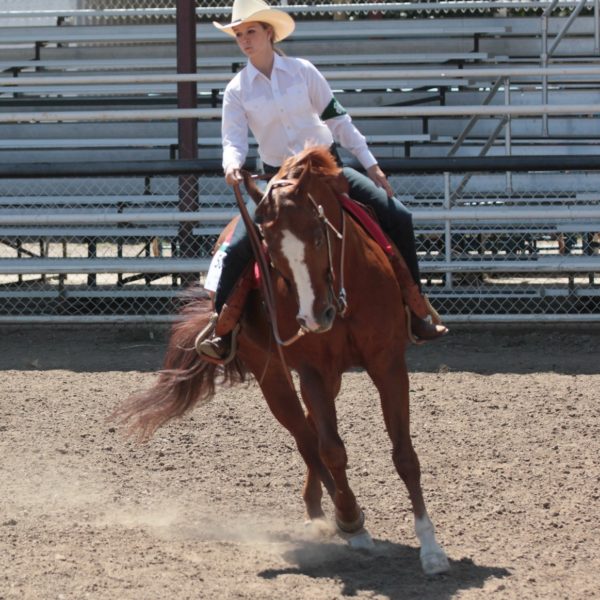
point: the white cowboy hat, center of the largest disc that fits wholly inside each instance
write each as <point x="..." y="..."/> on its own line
<point x="244" y="11"/>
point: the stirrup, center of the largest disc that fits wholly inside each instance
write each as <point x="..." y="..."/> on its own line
<point x="209" y="331"/>
<point x="435" y="321"/>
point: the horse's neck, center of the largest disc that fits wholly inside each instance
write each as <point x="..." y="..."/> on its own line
<point x="362" y="253"/>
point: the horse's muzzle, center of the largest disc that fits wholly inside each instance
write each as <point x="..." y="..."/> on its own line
<point x="320" y="323"/>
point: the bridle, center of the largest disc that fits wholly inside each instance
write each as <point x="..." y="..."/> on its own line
<point x="341" y="300"/>
<point x="329" y="229"/>
<point x="263" y="266"/>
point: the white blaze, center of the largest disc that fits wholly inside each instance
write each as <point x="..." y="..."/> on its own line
<point x="293" y="250"/>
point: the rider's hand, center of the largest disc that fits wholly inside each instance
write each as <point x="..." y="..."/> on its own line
<point x="379" y="178"/>
<point x="233" y="175"/>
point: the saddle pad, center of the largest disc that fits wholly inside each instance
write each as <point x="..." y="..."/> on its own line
<point x="369" y="224"/>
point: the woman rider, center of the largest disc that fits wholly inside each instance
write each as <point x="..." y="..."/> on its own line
<point x="288" y="105"/>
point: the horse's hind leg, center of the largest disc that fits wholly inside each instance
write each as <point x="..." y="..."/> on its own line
<point x="397" y="421"/>
<point x="287" y="409"/>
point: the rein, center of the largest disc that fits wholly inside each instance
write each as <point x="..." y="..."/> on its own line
<point x="263" y="266"/>
<point x="270" y="298"/>
<point x="265" y="280"/>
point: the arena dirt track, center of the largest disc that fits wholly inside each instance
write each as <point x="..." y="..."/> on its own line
<point x="506" y="423"/>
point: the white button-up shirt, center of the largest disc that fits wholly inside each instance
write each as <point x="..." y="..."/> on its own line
<point x="283" y="113"/>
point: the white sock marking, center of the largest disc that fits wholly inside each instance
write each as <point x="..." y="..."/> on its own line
<point x="426" y="534"/>
<point x="433" y="558"/>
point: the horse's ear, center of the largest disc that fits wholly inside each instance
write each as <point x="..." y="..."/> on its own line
<point x="251" y="187"/>
<point x="266" y="210"/>
<point x="304" y="177"/>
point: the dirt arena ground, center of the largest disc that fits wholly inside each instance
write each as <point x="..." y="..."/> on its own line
<point x="506" y="423"/>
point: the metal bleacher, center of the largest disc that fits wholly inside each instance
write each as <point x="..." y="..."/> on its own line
<point x="118" y="239"/>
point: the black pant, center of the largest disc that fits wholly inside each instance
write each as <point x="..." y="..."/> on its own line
<point x="394" y="217"/>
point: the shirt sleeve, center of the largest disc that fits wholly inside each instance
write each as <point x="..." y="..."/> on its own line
<point x="336" y="118"/>
<point x="234" y="130"/>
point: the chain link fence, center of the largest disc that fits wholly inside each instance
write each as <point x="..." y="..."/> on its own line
<point x="491" y="245"/>
<point x="164" y="10"/>
<point x="464" y="6"/>
<point x="513" y="246"/>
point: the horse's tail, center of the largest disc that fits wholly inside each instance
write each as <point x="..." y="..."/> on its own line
<point x="184" y="380"/>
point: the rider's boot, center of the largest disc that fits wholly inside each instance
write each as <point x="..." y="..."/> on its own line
<point x="418" y="308"/>
<point x="421" y="328"/>
<point x="424" y="330"/>
<point x="217" y="341"/>
<point x="216" y="348"/>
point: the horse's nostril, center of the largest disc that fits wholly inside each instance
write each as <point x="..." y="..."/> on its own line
<point x="301" y="322"/>
<point x="329" y="314"/>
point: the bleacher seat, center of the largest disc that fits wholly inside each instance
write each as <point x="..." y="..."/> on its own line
<point x="339" y="48"/>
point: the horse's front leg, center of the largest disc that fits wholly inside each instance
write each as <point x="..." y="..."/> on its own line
<point x="392" y="384"/>
<point x="319" y="395"/>
<point x="313" y="492"/>
<point x="286" y="407"/>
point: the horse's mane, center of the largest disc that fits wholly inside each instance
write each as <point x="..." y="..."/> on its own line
<point x="318" y="159"/>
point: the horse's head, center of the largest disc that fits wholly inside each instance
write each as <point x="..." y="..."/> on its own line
<point x="295" y="215"/>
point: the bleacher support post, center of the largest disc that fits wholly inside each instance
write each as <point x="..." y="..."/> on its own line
<point x="187" y="128"/>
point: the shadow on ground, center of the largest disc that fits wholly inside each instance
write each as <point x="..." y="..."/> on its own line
<point x="391" y="570"/>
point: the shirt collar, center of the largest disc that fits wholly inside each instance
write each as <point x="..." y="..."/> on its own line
<point x="278" y="64"/>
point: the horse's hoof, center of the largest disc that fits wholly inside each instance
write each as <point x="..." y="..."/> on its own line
<point x="361" y="540"/>
<point x="319" y="528"/>
<point x="351" y="527"/>
<point x="435" y="562"/>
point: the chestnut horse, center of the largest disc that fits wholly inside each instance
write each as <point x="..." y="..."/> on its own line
<point x="301" y="221"/>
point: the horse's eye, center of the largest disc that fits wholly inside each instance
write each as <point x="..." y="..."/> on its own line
<point x="319" y="238"/>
